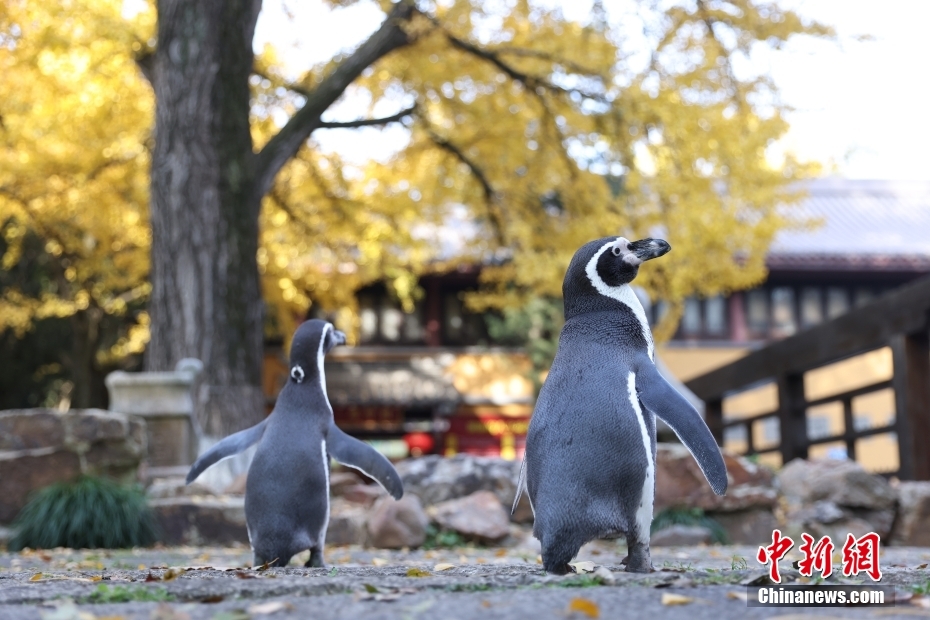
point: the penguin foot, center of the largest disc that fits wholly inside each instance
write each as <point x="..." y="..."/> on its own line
<point x="638" y="559"/>
<point x="316" y="559"/>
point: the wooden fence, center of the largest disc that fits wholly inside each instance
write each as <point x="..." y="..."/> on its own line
<point x="899" y="319"/>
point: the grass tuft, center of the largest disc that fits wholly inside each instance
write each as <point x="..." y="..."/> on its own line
<point x="125" y="594"/>
<point x="89" y="513"/>
<point x="689" y="516"/>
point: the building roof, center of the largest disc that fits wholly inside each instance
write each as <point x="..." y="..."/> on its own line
<point x="863" y="225"/>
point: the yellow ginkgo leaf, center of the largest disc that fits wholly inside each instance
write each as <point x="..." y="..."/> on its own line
<point x="676" y="599"/>
<point x="584" y="606"/>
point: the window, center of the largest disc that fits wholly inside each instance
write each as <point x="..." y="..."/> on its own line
<point x="811" y="306"/>
<point x="391" y="320"/>
<point x="691" y="320"/>
<point x="784" y="322"/>
<point x="757" y="310"/>
<point x="818" y="426"/>
<point x="837" y="301"/>
<point x="715" y="315"/>
<point x="368" y="319"/>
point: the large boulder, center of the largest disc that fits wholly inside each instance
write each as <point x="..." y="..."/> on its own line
<point x="479" y="516"/>
<point x="680" y="483"/>
<point x="201" y="520"/>
<point x="834" y="497"/>
<point x="910" y="528"/>
<point x="436" y="479"/>
<point x="39" y="447"/>
<point x="395" y="524"/>
<point x="347" y="523"/>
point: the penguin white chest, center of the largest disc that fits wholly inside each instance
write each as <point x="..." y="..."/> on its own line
<point x="647" y="499"/>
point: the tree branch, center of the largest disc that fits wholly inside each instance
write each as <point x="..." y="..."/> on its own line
<point x="532" y="82"/>
<point x="285" y="144"/>
<point x="490" y="195"/>
<point x="368" y="122"/>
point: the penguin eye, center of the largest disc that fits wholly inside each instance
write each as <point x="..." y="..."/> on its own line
<point x="616" y="251"/>
<point x="297" y="374"/>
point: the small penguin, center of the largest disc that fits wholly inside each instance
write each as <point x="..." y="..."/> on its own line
<point x="287" y="489"/>
<point x="589" y="466"/>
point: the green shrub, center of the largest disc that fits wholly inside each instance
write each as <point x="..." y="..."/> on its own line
<point x="689" y="516"/>
<point x="88" y="513"/>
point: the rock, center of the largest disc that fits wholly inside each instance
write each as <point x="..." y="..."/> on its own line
<point x="680" y="483"/>
<point x="363" y="494"/>
<point x="201" y="520"/>
<point x="843" y="482"/>
<point x="747" y="527"/>
<point x="340" y="481"/>
<point x="436" y="479"/>
<point x="39" y="447"/>
<point x="913" y="515"/>
<point x="523" y="513"/>
<point x="835" y="497"/>
<point x="162" y="488"/>
<point x="680" y="536"/>
<point x="478" y="516"/>
<point x="394" y="524"/>
<point x="237" y="486"/>
<point x="347" y="523"/>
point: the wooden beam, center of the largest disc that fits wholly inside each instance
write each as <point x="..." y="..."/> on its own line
<point x="869" y="327"/>
<point x="792" y="418"/>
<point x="911" y="355"/>
<point x="713" y="416"/>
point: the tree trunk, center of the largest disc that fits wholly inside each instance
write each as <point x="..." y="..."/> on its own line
<point x="207" y="186"/>
<point x="206" y="301"/>
<point x="89" y="389"/>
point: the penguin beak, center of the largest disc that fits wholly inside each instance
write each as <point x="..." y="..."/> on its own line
<point x="647" y="249"/>
<point x="338" y="337"/>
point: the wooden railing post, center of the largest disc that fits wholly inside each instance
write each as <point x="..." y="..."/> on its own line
<point x="911" y="355"/>
<point x="713" y="416"/>
<point x="849" y="429"/>
<point x="792" y="418"/>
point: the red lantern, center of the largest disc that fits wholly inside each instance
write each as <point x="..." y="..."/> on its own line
<point x="419" y="443"/>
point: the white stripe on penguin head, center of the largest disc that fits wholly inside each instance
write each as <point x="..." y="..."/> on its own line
<point x="623" y="293"/>
<point x="320" y="354"/>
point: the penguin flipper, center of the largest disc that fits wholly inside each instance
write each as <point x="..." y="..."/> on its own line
<point x="359" y="455"/>
<point x="521" y="486"/>
<point x="234" y="444"/>
<point x="665" y="402"/>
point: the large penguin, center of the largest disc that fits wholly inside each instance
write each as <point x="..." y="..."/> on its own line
<point x="287" y="489"/>
<point x="589" y="466"/>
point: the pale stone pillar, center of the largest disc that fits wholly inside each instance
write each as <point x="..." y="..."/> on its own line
<point x="164" y="400"/>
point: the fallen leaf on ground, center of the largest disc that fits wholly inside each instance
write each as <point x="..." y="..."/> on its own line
<point x="737" y="595"/>
<point x="379" y="561"/>
<point x="675" y="599"/>
<point x="266" y="565"/>
<point x="36" y="577"/>
<point x="370" y="588"/>
<point x="244" y="575"/>
<point x="270" y="607"/>
<point x="443" y="566"/>
<point x="500" y="552"/>
<point x="582" y="567"/>
<point x="150" y="577"/>
<point x="584" y="606"/>
<point x="604" y="576"/>
<point x="920" y="601"/>
<point x="921" y="567"/>
<point x="173" y="573"/>
<point x="417" y="572"/>
<point x="213" y="598"/>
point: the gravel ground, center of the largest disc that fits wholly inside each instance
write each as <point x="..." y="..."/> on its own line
<point x="194" y="583"/>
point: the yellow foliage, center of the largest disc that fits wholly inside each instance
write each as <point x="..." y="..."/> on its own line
<point x="74" y="119"/>
<point x="546" y="132"/>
